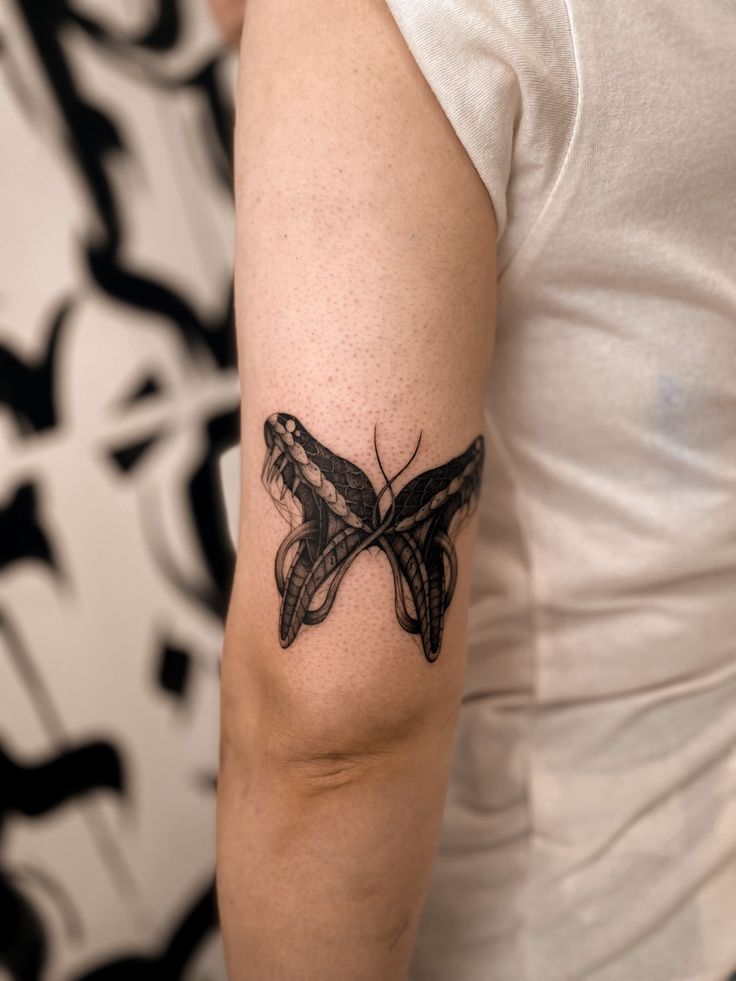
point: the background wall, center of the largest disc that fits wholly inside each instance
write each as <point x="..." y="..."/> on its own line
<point x="118" y="395"/>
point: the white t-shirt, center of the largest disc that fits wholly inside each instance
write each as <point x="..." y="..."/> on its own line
<point x="590" y="828"/>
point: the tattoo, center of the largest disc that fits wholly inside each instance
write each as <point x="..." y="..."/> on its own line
<point x="335" y="514"/>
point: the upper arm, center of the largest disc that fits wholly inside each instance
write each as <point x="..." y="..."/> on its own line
<point x="365" y="296"/>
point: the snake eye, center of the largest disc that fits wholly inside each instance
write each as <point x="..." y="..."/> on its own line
<point x="297" y="433"/>
<point x="290" y="425"/>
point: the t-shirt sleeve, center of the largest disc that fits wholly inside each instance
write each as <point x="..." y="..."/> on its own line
<point x="504" y="73"/>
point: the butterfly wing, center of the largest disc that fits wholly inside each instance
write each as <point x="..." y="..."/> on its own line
<point x="330" y="504"/>
<point x="426" y="513"/>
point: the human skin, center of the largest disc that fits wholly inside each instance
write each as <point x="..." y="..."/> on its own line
<point x="365" y="299"/>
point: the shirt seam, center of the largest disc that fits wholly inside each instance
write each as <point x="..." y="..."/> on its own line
<point x="571" y="140"/>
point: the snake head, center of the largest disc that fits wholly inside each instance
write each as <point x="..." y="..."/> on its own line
<point x="278" y="425"/>
<point x="281" y="433"/>
<point x="313" y="478"/>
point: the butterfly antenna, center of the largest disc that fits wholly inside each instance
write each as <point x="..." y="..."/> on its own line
<point x="388" y="486"/>
<point x="387" y="479"/>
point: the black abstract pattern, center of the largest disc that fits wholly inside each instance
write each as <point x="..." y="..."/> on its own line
<point x="118" y="398"/>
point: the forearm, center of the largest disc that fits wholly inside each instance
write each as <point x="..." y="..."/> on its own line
<point x="324" y="861"/>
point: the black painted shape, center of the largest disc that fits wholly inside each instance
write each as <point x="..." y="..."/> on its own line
<point x="128" y="457"/>
<point x="171" y="963"/>
<point x="28" y="387"/>
<point x="222" y="118"/>
<point x="208" y="508"/>
<point x="90" y="135"/>
<point x="161" y="35"/>
<point x="93" y="137"/>
<point x="34" y="791"/>
<point x="148" y="387"/>
<point x="21" y="533"/>
<point x="143" y="293"/>
<point x="174" y="669"/>
<point x="23" y="945"/>
<point x="72" y="773"/>
<point x="164" y="32"/>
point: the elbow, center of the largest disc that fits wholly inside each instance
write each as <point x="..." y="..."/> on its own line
<point x="327" y="739"/>
<point x="316" y="772"/>
<point x="315" y="743"/>
<point x="307" y="766"/>
<point x="336" y="709"/>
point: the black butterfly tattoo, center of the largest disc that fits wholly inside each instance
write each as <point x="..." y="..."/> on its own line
<point x="335" y="514"/>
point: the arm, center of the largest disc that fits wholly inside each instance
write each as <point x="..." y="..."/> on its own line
<point x="365" y="277"/>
